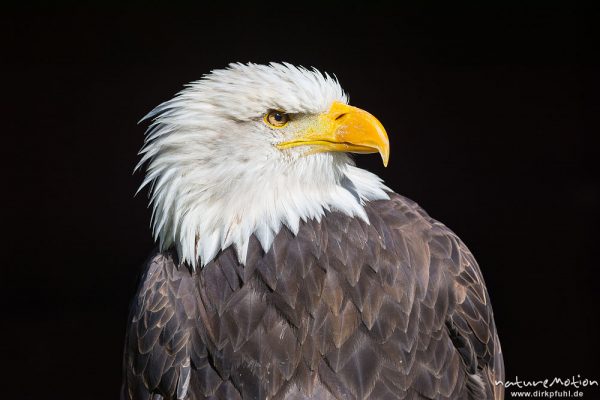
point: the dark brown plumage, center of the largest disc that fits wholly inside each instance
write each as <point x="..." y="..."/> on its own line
<point x="394" y="309"/>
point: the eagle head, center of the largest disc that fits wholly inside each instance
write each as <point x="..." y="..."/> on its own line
<point x="251" y="149"/>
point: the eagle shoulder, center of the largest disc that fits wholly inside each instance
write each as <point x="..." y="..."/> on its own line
<point x="449" y="290"/>
<point x="164" y="345"/>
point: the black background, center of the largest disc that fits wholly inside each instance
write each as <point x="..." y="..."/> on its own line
<point x="489" y="112"/>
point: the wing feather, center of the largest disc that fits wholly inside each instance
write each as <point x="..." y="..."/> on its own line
<point x="395" y="308"/>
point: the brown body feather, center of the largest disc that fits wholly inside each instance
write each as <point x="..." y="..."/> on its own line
<point x="394" y="309"/>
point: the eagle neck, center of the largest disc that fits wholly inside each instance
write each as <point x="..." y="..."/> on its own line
<point x="227" y="213"/>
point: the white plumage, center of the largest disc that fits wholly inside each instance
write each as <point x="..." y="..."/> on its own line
<point x="216" y="175"/>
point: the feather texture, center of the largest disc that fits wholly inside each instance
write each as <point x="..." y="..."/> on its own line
<point x="344" y="309"/>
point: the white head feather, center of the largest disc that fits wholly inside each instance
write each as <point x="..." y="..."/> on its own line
<point x="216" y="177"/>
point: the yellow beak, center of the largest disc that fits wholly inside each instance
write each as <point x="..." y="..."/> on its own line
<point x="344" y="128"/>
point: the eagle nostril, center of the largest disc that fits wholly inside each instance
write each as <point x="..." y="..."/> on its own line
<point x="340" y="116"/>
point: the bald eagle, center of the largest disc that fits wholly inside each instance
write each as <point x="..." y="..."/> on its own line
<point x="283" y="271"/>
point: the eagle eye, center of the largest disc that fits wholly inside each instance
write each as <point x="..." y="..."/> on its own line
<point x="277" y="119"/>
